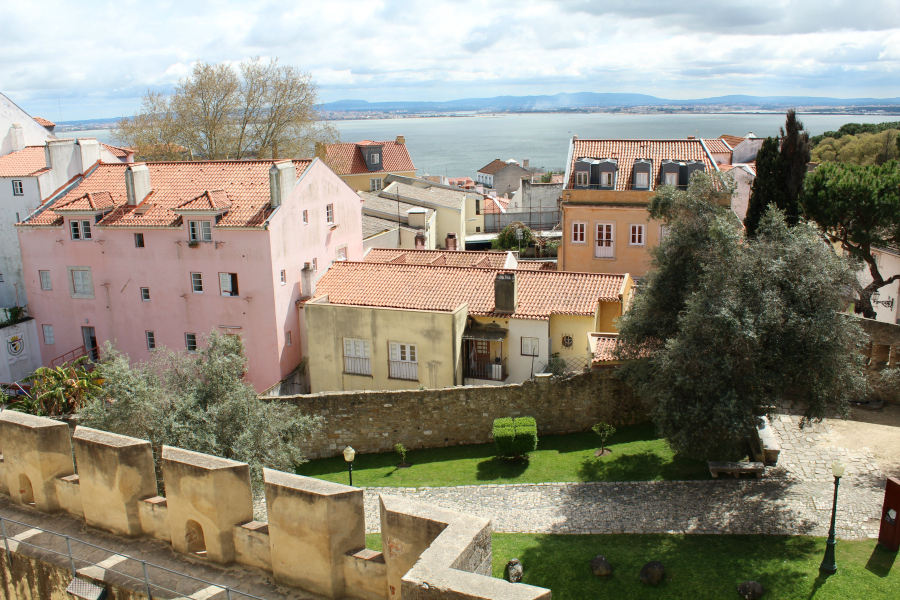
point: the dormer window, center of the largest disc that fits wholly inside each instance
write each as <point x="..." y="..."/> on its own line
<point x="641" y="180"/>
<point x="376" y="158"/>
<point x="606" y="179"/>
<point x="581" y="178"/>
<point x="200" y="231"/>
<point x="671" y="178"/>
<point x="372" y="155"/>
<point x="81" y="230"/>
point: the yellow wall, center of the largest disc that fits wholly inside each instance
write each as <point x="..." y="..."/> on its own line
<point x="577" y="327"/>
<point x="361" y="181"/>
<point x="473" y="220"/>
<point x="437" y="335"/>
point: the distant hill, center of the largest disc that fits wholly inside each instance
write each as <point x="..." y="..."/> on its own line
<point x="596" y="100"/>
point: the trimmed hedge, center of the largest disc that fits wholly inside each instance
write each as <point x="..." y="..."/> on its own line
<point x="515" y="437"/>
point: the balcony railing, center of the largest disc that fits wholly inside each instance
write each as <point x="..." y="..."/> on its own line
<point x="604" y="250"/>
<point x="355" y="365"/>
<point x="486" y="369"/>
<point x="400" y="369"/>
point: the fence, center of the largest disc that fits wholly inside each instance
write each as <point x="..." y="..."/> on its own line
<point x="563" y="366"/>
<point x="486" y="369"/>
<point x="141" y="571"/>
<point x="535" y="220"/>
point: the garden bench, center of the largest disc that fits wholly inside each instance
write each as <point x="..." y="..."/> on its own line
<point x="736" y="468"/>
<point x="764" y="443"/>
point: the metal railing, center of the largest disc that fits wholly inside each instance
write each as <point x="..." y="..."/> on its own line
<point x="486" y="369"/>
<point x="68" y="357"/>
<point x="356" y="365"/>
<point x="561" y="366"/>
<point x="141" y="577"/>
<point x="400" y="369"/>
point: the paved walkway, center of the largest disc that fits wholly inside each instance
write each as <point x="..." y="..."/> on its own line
<point x="793" y="498"/>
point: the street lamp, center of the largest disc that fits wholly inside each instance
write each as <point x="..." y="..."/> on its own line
<point x="349" y="455"/>
<point x="828" y="565"/>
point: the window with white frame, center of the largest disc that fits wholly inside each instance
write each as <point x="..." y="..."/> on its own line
<point x="671" y="178"/>
<point x="145" y="294"/>
<point x="375" y="184"/>
<point x="197" y="283"/>
<point x="48" y="334"/>
<point x="18" y="190"/>
<point x="605" y="241"/>
<point x="81" y="230"/>
<point x="578" y="233"/>
<point x="637" y="235"/>
<point x="581" y="178"/>
<point x="641" y="180"/>
<point x="45" y="280"/>
<point x="139" y="240"/>
<point x="151" y="340"/>
<point x="228" y="284"/>
<point x="606" y="179"/>
<point x="190" y="342"/>
<point x="329" y="213"/>
<point x="530" y="346"/>
<point x="341" y="253"/>
<point x="82" y="284"/>
<point x="305" y="217"/>
<point x="403" y="361"/>
<point x="663" y="232"/>
<point x="375" y="158"/>
<point x="200" y="231"/>
<point x="357" y="356"/>
<point x="283" y="278"/>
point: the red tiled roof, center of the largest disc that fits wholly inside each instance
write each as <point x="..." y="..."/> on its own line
<point x="117" y="151"/>
<point x="627" y="151"/>
<point x="444" y="289"/>
<point x="215" y="201"/>
<point x="96" y="201"/>
<point x="717" y="146"/>
<point x="536" y="265"/>
<point x="493" y="205"/>
<point x="27" y="162"/>
<point x="443" y="258"/>
<point x="603" y="345"/>
<point x="244" y="183"/>
<point x="347" y="158"/>
<point x="44" y="122"/>
<point x="493" y="167"/>
<point x="731" y="140"/>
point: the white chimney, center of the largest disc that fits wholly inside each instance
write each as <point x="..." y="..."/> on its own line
<point x="282" y="179"/>
<point x="17" y="137"/>
<point x="90" y="152"/>
<point x="137" y="183"/>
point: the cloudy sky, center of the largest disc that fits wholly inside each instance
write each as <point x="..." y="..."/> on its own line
<point x="96" y="59"/>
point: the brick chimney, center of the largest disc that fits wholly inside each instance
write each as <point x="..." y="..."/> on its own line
<point x="401" y="139"/>
<point x="451" y="242"/>
<point x="506" y="293"/>
<point x="420" y="240"/>
<point x="282" y="179"/>
<point x="137" y="183"/>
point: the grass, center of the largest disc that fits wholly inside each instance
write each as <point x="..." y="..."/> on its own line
<point x="638" y="454"/>
<point x="698" y="567"/>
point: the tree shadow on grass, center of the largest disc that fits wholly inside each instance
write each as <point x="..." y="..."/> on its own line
<point x="641" y="466"/>
<point x="579" y="442"/>
<point x="501" y="468"/>
<point x="881" y="561"/>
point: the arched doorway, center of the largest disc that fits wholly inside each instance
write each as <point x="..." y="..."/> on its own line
<point x="194" y="540"/>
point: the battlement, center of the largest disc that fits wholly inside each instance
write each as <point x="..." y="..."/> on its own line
<point x="315" y="537"/>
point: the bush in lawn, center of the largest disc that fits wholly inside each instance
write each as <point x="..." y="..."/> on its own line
<point x="515" y="437"/>
<point x="400" y="449"/>
<point x="604" y="430"/>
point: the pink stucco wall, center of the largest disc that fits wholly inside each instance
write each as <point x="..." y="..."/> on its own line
<point x="262" y="312"/>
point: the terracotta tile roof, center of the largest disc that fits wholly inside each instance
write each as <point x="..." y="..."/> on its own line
<point x="347" y="158"/>
<point x="627" y="151"/>
<point x="246" y="184"/>
<point x="460" y="181"/>
<point x="44" y="122"/>
<point x="27" y="162"/>
<point x="495" y="205"/>
<point x="96" y="201"/>
<point x="603" y="346"/>
<point x="444" y="289"/>
<point x="717" y="146"/>
<point x="432" y="195"/>
<point x="536" y="265"/>
<point x="117" y="151"/>
<point x="494" y="166"/>
<point x="443" y="258"/>
<point x="731" y="140"/>
<point x="388" y="206"/>
<point x="215" y="201"/>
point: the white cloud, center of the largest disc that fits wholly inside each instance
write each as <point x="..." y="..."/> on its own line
<point x="99" y="58"/>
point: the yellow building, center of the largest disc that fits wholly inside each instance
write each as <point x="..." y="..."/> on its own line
<point x="609" y="184"/>
<point x="365" y="164"/>
<point x="390" y="326"/>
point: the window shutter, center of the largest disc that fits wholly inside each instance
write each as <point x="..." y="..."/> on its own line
<point x="225" y="283"/>
<point x="365" y="349"/>
<point x="395" y="351"/>
<point x="348" y="347"/>
<point x="412" y="352"/>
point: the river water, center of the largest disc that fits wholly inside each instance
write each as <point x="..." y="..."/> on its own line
<point x="459" y="146"/>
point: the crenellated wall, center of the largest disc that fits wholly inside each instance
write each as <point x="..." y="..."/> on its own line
<point x="315" y="537"/>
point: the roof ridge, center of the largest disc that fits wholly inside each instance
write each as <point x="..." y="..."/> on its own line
<point x="506" y="269"/>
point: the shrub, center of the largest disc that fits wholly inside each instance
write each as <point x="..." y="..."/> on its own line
<point x="604" y="430"/>
<point x="400" y="449"/>
<point x="515" y="437"/>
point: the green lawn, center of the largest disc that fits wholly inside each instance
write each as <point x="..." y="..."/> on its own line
<point x="638" y="454"/>
<point x="698" y="567"/>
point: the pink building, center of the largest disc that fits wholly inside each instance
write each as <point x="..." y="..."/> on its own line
<point x="158" y="254"/>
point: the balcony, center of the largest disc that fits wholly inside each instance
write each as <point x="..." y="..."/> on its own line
<point x="490" y="370"/>
<point x="354" y="365"/>
<point x="604" y="249"/>
<point x="401" y="369"/>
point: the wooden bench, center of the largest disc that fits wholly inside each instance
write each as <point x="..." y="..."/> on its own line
<point x="736" y="468"/>
<point x="764" y="444"/>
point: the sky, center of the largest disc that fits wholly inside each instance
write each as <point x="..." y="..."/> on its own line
<point x="68" y="60"/>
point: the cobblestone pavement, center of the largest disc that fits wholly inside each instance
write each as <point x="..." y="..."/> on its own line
<point x="793" y="498"/>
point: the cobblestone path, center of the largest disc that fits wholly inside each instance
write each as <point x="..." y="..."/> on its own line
<point x="793" y="498"/>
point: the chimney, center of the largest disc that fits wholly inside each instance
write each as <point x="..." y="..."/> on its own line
<point x="320" y="150"/>
<point x="59" y="154"/>
<point x="451" y="242"/>
<point x="506" y="293"/>
<point x="90" y="152"/>
<point x="525" y="163"/>
<point x="690" y="137"/>
<point x="420" y="240"/>
<point x="417" y="217"/>
<point x="17" y="137"/>
<point x="137" y="183"/>
<point x="401" y="139"/>
<point x="282" y="179"/>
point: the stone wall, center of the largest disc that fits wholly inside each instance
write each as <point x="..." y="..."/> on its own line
<point x="375" y="421"/>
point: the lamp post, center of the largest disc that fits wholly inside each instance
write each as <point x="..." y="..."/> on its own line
<point x="349" y="455"/>
<point x="828" y="564"/>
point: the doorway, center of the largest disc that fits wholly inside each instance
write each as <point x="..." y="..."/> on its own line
<point x="90" y="342"/>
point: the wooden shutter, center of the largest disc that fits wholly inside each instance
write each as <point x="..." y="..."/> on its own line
<point x="225" y="283"/>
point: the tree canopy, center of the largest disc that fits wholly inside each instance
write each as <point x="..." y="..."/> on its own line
<point x="198" y="402"/>
<point x="725" y="328"/>
<point x="861" y="149"/>
<point x="859" y="208"/>
<point x="256" y="110"/>
<point x="855" y="129"/>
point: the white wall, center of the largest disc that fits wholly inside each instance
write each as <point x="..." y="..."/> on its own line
<point x="520" y="366"/>
<point x="35" y="135"/>
<point x="10" y="256"/>
<point x="888" y="264"/>
<point x="18" y="359"/>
